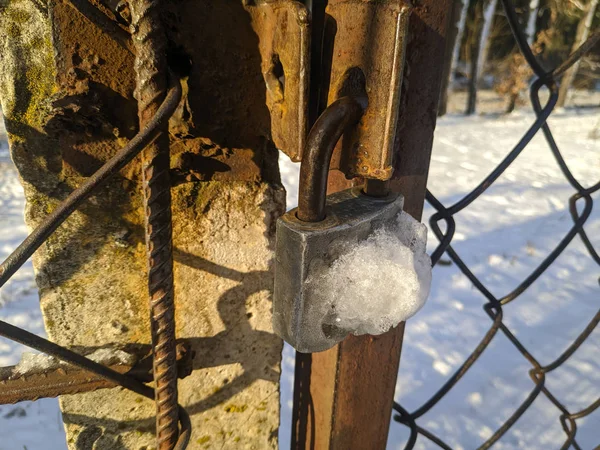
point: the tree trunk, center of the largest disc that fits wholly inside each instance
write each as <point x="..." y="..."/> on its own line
<point x="484" y="44"/>
<point x="534" y="6"/>
<point x="595" y="133"/>
<point x="459" y="37"/>
<point x="452" y="52"/>
<point x="475" y="53"/>
<point x="583" y="31"/>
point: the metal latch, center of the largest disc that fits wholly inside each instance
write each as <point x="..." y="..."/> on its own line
<point x="369" y="36"/>
<point x="366" y="37"/>
<point x="283" y="31"/>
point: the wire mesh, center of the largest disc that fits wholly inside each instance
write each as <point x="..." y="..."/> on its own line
<point x="494" y="305"/>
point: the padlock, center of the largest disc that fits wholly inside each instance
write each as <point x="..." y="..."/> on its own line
<point x="311" y="237"/>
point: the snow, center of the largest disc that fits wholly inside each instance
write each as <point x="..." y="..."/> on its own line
<point x="27" y="425"/>
<point x="34" y="363"/>
<point x="112" y="356"/>
<point x="502" y="236"/>
<point x="378" y="283"/>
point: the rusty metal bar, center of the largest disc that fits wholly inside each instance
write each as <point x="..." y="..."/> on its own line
<point x="151" y="70"/>
<point x="67" y="380"/>
<point x="64" y="354"/>
<point x="343" y="397"/>
<point x="61" y="381"/>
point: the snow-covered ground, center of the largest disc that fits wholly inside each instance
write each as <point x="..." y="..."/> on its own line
<point x="27" y="425"/>
<point x="502" y="236"/>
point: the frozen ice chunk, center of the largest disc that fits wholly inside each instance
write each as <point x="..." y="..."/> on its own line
<point x="34" y="363"/>
<point x="377" y="283"/>
<point x="112" y="356"/>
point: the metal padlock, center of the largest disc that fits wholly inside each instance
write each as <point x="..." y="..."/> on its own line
<point x="312" y="236"/>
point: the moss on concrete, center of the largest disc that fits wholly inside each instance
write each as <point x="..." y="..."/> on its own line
<point x="27" y="38"/>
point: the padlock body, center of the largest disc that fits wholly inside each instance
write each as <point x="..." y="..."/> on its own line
<point x="305" y="248"/>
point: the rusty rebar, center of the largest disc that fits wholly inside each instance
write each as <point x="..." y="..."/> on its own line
<point x="151" y="71"/>
<point x="69" y="356"/>
<point x="52" y="383"/>
<point x="65" y="379"/>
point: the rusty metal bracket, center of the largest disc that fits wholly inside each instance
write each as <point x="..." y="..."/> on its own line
<point x="369" y="46"/>
<point x="283" y="29"/>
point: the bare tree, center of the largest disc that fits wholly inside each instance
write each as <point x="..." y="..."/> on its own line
<point x="462" y="21"/>
<point x="595" y="133"/>
<point x="488" y="19"/>
<point x="583" y="31"/>
<point x="517" y="64"/>
<point x="534" y="6"/>
<point x="517" y="80"/>
<point x="475" y="53"/>
<point x="453" y="43"/>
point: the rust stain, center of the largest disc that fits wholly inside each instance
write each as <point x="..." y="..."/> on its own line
<point x="369" y="45"/>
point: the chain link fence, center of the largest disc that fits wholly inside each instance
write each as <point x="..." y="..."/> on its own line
<point x="494" y="306"/>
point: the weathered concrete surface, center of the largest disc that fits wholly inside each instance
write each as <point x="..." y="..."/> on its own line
<point x="66" y="83"/>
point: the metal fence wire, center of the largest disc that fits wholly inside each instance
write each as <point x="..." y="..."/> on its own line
<point x="16" y="387"/>
<point x="65" y="381"/>
<point x="494" y="305"/>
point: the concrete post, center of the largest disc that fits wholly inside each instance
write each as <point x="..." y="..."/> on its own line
<point x="67" y="83"/>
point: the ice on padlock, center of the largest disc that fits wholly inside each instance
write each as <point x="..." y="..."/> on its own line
<point x="374" y="284"/>
<point x="361" y="270"/>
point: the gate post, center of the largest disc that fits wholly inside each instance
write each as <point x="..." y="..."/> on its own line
<point x="343" y="397"/>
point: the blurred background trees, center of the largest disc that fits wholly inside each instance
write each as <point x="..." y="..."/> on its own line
<point x="482" y="54"/>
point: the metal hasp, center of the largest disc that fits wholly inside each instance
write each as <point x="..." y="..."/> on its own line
<point x="369" y="36"/>
<point x="343" y="396"/>
<point x="313" y="236"/>
<point x="283" y="32"/>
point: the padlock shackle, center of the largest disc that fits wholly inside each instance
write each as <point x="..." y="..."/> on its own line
<point x="316" y="159"/>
